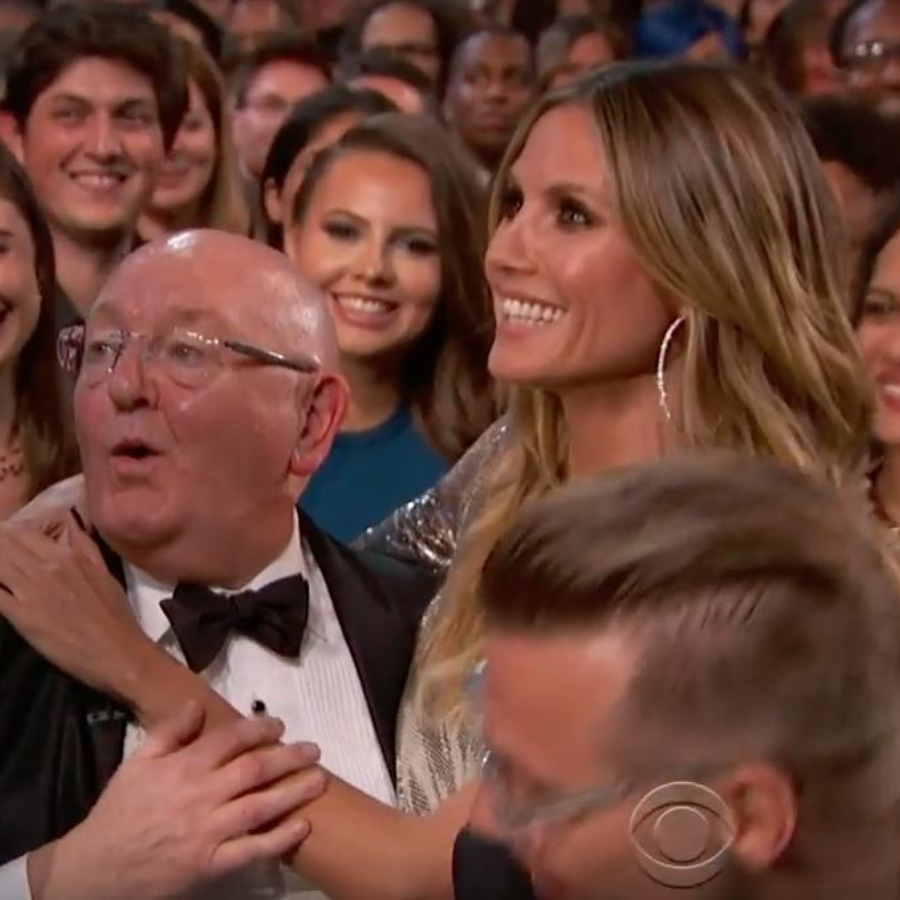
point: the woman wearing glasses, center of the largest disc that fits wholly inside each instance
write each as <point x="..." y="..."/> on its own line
<point x="664" y="278"/>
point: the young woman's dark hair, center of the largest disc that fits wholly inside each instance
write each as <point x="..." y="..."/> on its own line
<point x="41" y="422"/>
<point x="301" y="126"/>
<point x="308" y="116"/>
<point x="381" y="62"/>
<point x="108" y="30"/>
<point x="446" y="378"/>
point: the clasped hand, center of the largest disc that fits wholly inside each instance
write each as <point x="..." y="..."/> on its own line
<point x="183" y="811"/>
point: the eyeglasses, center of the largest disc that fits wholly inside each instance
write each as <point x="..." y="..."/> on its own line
<point x="517" y="808"/>
<point x="184" y="357"/>
<point x="873" y="55"/>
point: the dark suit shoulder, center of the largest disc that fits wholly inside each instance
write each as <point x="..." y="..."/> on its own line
<point x="405" y="586"/>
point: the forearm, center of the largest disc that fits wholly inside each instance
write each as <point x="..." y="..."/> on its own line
<point x="64" y="870"/>
<point x="158" y="686"/>
<point x="395" y="856"/>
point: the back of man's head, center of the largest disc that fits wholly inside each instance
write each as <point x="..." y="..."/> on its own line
<point x="765" y="620"/>
<point x="66" y="34"/>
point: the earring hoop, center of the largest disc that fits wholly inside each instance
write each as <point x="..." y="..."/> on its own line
<point x="661" y="367"/>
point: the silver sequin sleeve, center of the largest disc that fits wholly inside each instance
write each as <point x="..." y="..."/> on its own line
<point x="426" y="529"/>
<point x="434" y="760"/>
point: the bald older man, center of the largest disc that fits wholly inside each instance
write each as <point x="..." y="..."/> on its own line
<point x="206" y="397"/>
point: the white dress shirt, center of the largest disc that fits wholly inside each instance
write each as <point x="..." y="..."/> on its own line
<point x="319" y="698"/>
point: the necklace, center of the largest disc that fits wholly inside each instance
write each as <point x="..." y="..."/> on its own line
<point x="12" y="463"/>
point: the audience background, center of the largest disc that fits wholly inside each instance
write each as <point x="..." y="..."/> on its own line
<point x="272" y="83"/>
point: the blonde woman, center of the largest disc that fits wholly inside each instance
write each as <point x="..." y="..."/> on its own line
<point x="199" y="185"/>
<point x="664" y="277"/>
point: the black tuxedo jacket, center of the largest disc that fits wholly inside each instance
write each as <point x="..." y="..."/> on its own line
<point x="60" y="742"/>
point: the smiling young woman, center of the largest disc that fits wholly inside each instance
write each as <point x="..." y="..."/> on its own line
<point x="878" y="330"/>
<point x="388" y="224"/>
<point x="36" y="446"/>
<point x="199" y="186"/>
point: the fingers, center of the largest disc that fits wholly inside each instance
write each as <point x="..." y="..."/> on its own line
<point x="274" y="844"/>
<point x="174" y="733"/>
<point x="18" y="562"/>
<point x="257" y="810"/>
<point x="89" y="560"/>
<point x="224" y="744"/>
<point x="254" y="770"/>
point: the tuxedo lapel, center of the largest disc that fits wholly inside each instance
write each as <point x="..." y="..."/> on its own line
<point x="378" y="602"/>
<point x="60" y="743"/>
<point x="106" y="719"/>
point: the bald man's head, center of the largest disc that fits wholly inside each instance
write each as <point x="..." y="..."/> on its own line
<point x="208" y="395"/>
<point x="257" y="288"/>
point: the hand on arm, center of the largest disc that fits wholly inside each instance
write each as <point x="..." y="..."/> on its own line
<point x="63" y="600"/>
<point x="184" y="810"/>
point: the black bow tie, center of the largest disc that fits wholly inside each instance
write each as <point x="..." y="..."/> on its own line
<point x="274" y="616"/>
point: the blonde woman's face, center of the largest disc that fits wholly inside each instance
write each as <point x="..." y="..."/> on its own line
<point x="573" y="306"/>
<point x="879" y="338"/>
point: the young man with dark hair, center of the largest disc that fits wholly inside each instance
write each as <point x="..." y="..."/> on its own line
<point x="94" y="96"/>
<point x="265" y="86"/>
<point x="492" y="81"/>
<point x="691" y="682"/>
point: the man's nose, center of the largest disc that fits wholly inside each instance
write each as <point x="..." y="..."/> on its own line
<point x="104" y="139"/>
<point x="496" y="91"/>
<point x="129" y="384"/>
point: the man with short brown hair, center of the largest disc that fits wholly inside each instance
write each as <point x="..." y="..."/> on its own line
<point x="95" y="94"/>
<point x="692" y="682"/>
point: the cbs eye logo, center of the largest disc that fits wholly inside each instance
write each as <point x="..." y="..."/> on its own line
<point x="681" y="833"/>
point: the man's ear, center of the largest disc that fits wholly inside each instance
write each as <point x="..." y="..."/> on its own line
<point x="763" y="801"/>
<point x="11" y="135"/>
<point x="321" y="412"/>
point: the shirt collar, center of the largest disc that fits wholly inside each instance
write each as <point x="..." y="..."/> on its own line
<point x="145" y="593"/>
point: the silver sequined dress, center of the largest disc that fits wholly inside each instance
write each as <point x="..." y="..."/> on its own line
<point x="433" y="762"/>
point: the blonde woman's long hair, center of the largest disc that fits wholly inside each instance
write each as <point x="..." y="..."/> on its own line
<point x="721" y="194"/>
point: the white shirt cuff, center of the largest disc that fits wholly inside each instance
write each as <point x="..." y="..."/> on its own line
<point x="14" y="880"/>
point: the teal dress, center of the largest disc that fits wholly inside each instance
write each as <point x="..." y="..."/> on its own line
<point x="369" y="474"/>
